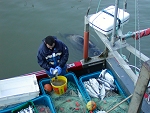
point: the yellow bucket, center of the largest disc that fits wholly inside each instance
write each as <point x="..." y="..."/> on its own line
<point x="59" y="85"/>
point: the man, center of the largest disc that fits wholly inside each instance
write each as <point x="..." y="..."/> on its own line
<point x="53" y="54"/>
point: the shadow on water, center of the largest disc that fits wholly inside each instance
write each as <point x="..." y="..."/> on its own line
<point x="77" y="42"/>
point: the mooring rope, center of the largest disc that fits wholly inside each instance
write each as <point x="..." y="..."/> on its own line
<point x="137" y="28"/>
<point x="98" y="6"/>
<point x="139" y="31"/>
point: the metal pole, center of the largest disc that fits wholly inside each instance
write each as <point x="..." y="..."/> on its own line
<point x="115" y="20"/>
<point x="86" y="39"/>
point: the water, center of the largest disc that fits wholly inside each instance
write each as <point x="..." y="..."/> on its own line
<point x="24" y="23"/>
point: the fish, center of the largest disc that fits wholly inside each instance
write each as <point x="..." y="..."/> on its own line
<point x="91" y="94"/>
<point x="92" y="87"/>
<point x="105" y="75"/>
<point x="102" y="74"/>
<point x="77" y="41"/>
<point x="106" y="85"/>
<point x="89" y="89"/>
<point x="95" y="85"/>
<point x="27" y="110"/>
<point x="30" y="109"/>
<point x="102" y="92"/>
<point x="111" y="84"/>
<point x="109" y="77"/>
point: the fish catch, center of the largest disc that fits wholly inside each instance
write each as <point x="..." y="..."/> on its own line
<point x="97" y="87"/>
<point x="105" y="75"/>
<point x="94" y="88"/>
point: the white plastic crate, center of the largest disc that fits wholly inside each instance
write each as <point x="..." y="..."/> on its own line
<point x="103" y="21"/>
<point x="18" y="89"/>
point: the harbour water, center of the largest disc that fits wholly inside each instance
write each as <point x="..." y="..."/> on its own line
<point x="24" y="23"/>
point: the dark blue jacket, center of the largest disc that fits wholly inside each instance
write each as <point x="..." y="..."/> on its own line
<point x="45" y="59"/>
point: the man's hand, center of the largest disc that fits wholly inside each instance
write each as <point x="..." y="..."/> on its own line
<point x="51" y="70"/>
<point x="59" y="69"/>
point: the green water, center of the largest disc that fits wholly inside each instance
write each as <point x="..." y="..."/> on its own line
<point x="24" y="23"/>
